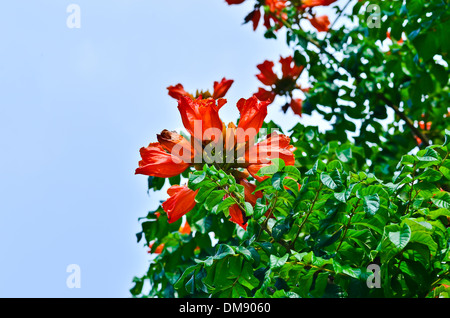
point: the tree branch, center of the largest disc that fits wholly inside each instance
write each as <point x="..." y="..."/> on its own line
<point x="407" y="120"/>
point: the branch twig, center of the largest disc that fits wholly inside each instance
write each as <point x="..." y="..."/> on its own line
<point x="408" y="121"/>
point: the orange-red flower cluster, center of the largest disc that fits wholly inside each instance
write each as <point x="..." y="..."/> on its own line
<point x="282" y="86"/>
<point x="275" y="12"/>
<point x="235" y="149"/>
<point x="274" y="16"/>
<point x="321" y="23"/>
<point x="316" y="3"/>
<point x="219" y="90"/>
<point x="399" y="42"/>
<point x="158" y="249"/>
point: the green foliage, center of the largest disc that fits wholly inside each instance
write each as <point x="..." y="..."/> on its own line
<point x="379" y="197"/>
<point x="317" y="241"/>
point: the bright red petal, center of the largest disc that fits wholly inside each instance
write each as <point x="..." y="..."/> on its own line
<point x="158" y="163"/>
<point x="177" y="91"/>
<point x="253" y="112"/>
<point x="321" y="23"/>
<point x="267" y="76"/>
<point x="220" y="89"/>
<point x="237" y="216"/>
<point x="180" y="202"/>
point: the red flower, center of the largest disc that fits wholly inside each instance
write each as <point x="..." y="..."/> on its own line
<point x="265" y="95"/>
<point x="289" y="68"/>
<point x="254" y="16"/>
<point x="237" y="216"/>
<point x="249" y="189"/>
<point x="252" y="113"/>
<point x="279" y="86"/>
<point x="267" y="75"/>
<point x="276" y="5"/>
<point x="253" y="170"/>
<point x="201" y="111"/>
<point x="220" y="89"/>
<point x="418" y="140"/>
<point x="388" y="35"/>
<point x="158" y="163"/>
<point x="173" y="153"/>
<point x="423" y="127"/>
<point x="296" y="106"/>
<point x="274" y="13"/>
<point x="158" y="249"/>
<point x="185" y="229"/>
<point x="315" y="3"/>
<point x="181" y="201"/>
<point x="230" y="2"/>
<point x="275" y="146"/>
<point x="321" y="23"/>
<point x="177" y="91"/>
<point x="176" y="144"/>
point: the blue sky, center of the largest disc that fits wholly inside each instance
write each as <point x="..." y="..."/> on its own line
<point x="77" y="104"/>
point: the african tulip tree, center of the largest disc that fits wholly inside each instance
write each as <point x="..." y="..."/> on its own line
<point x="253" y="211"/>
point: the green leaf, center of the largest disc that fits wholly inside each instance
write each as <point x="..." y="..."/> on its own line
<point x="204" y="191"/>
<point x="185" y="274"/>
<point x="279" y="163"/>
<point x="429" y="155"/>
<point x="137" y="288"/>
<point x="225" y="204"/>
<point x="430" y="175"/>
<point x="400" y="238"/>
<point x="214" y="199"/>
<point x="371" y="204"/>
<point x="318" y="167"/>
<point x="260" y="209"/>
<point x="246" y="277"/>
<point x="442" y="200"/>
<point x="195" y="180"/>
<point x="277" y="180"/>
<point x="447" y="138"/>
<point x="248" y="209"/>
<point x="345" y="155"/>
<point x="175" y="180"/>
<point x="445" y="171"/>
<point x="292" y="172"/>
<point x="407" y="160"/>
<point x="331" y="181"/>
<point x="439" y="212"/>
<point x="291" y="185"/>
<point x="279" y="229"/>
<point x="155" y="183"/>
<point x="267" y="170"/>
<point x="346" y="269"/>
<point x="223" y="250"/>
<point x="276" y="262"/>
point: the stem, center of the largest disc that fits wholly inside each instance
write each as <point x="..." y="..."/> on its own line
<point x="339" y="15"/>
<point x="307" y="215"/>
<point x="411" y="190"/>
<point x="348" y="225"/>
<point x="408" y="121"/>
<point x="264" y="224"/>
<point x="230" y="194"/>
<point x="440" y="278"/>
